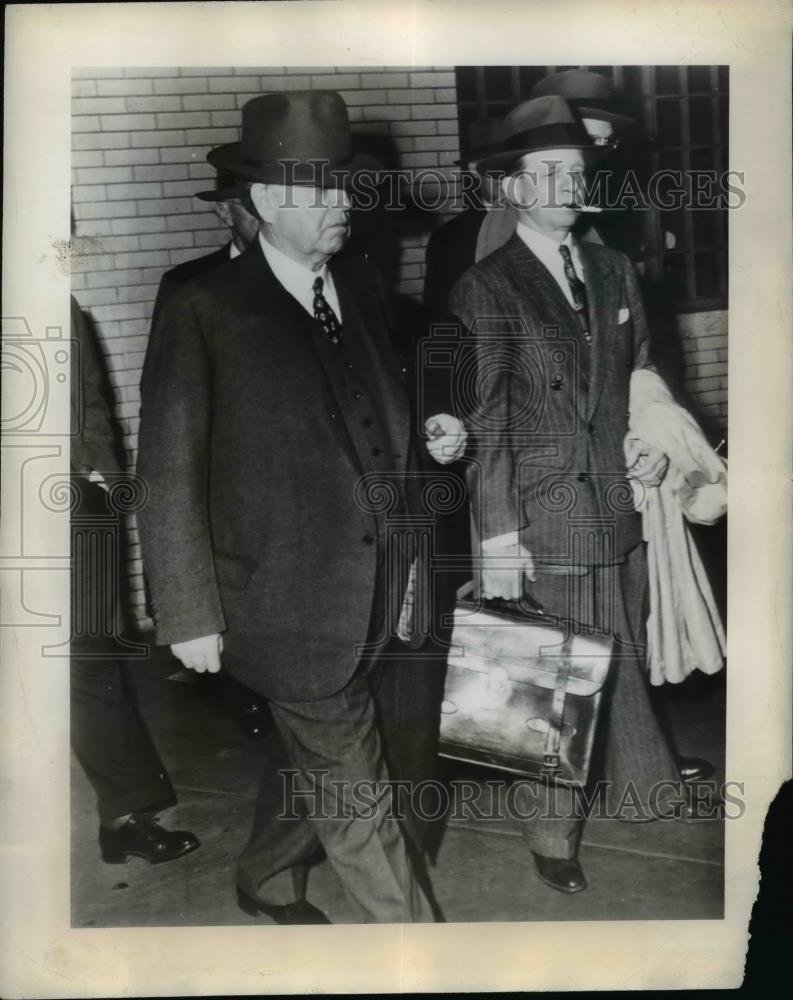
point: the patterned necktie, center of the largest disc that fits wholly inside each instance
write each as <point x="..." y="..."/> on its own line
<point x="578" y="289"/>
<point x="324" y="314"/>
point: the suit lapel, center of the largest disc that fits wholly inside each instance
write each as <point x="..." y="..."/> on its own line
<point x="546" y="297"/>
<point x="527" y="269"/>
<point x="602" y="286"/>
<point x="262" y="295"/>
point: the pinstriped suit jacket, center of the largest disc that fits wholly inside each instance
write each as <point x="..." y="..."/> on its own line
<point x="547" y="415"/>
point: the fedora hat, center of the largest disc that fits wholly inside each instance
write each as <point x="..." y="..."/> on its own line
<point x="227" y="188"/>
<point x="299" y="137"/>
<point x="484" y="138"/>
<point x="534" y="125"/>
<point x="590" y="94"/>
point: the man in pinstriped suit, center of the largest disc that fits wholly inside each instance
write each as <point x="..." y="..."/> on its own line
<point x="556" y="328"/>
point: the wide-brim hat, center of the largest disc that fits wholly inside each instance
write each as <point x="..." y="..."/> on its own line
<point x="590" y="94"/>
<point x="535" y="125"/>
<point x="227" y="188"/>
<point x="483" y="139"/>
<point x="299" y="137"/>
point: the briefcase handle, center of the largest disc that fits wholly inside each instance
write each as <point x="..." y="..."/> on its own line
<point x="526" y="608"/>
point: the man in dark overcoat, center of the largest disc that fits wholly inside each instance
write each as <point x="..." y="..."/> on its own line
<point x="276" y="440"/>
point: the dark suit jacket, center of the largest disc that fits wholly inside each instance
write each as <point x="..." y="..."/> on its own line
<point x="94" y="447"/>
<point x="450" y="252"/>
<point x="182" y="274"/>
<point x="254" y="527"/>
<point x="547" y="453"/>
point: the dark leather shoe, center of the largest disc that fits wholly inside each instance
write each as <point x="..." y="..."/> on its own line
<point x="564" y="874"/>
<point x="143" y="837"/>
<point x="299" y="912"/>
<point x="695" y="768"/>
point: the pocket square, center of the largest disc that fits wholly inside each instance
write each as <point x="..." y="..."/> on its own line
<point x="624" y="315"/>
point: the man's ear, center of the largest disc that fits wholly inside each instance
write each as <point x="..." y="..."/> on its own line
<point x="264" y="200"/>
<point x="223" y="212"/>
<point x="508" y="192"/>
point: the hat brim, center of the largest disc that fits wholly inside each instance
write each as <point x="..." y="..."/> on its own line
<point x="599" y="114"/>
<point x="506" y="162"/>
<point x="219" y="194"/>
<point x="477" y="155"/>
<point x="291" y="172"/>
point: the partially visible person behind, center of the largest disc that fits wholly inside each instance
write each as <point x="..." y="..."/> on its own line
<point x="107" y="734"/>
<point x="229" y="199"/>
<point x="452" y="248"/>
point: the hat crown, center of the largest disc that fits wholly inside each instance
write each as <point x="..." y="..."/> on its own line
<point x="539" y="112"/>
<point x="298" y="125"/>
<point x="575" y="85"/>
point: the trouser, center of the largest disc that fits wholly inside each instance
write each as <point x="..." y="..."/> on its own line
<point x="407" y="687"/>
<point x="111" y="743"/>
<point x="632" y="756"/>
<point x="326" y="782"/>
<point x="107" y="734"/>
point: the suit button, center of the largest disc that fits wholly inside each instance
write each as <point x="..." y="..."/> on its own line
<point x="591" y="428"/>
<point x="582" y="477"/>
<point x="357" y="394"/>
<point x="367" y="539"/>
<point x="377" y="452"/>
<point x="349" y="365"/>
<point x="367" y="422"/>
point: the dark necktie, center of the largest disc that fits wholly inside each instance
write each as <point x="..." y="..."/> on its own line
<point x="324" y="314"/>
<point x="578" y="289"/>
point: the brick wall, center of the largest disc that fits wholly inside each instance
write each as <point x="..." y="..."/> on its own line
<point x="139" y="142"/>
<point x="703" y="337"/>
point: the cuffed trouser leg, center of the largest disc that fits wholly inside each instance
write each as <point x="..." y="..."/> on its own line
<point x="551" y="823"/>
<point x="339" y="781"/>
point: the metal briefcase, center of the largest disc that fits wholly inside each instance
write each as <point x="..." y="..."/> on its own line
<point x="521" y="696"/>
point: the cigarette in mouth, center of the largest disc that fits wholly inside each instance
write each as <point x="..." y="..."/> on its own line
<point x="586" y="208"/>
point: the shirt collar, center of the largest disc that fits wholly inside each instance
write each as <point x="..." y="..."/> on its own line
<point x="540" y="244"/>
<point x="289" y="272"/>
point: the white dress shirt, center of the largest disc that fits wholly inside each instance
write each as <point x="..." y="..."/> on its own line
<point x="234" y="251"/>
<point x="299" y="280"/>
<point x="547" y="250"/>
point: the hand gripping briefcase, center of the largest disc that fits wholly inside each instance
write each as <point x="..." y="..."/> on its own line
<point x="522" y="696"/>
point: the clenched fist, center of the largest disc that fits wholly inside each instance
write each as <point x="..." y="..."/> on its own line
<point x="200" y="654"/>
<point x="447" y="438"/>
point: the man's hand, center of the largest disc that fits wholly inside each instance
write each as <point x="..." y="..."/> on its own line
<point x="200" y="654"/>
<point x="646" y="463"/>
<point x="503" y="569"/>
<point x="447" y="438"/>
